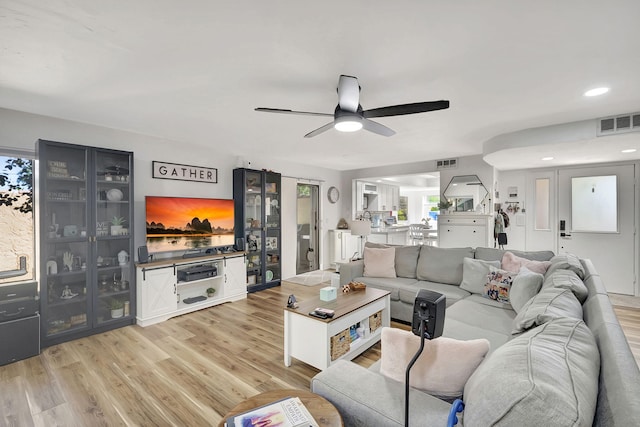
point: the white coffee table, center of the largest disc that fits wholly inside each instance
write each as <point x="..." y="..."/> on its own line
<point x="308" y="338"/>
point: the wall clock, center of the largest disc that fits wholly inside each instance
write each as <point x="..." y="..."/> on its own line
<point x="333" y="194"/>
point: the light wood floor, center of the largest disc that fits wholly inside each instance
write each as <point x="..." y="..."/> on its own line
<point x="188" y="370"/>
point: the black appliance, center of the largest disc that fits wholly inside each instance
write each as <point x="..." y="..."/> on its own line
<point x="19" y="322"/>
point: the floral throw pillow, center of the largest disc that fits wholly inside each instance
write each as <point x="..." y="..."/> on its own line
<point x="498" y="284"/>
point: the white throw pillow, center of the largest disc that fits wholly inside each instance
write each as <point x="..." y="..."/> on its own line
<point x="525" y="286"/>
<point x="379" y="262"/>
<point x="474" y="274"/>
<point x="442" y="369"/>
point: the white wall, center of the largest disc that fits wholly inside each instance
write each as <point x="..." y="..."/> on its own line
<point x="21" y="130"/>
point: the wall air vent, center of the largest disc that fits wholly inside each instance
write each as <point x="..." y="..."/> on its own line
<point x="619" y="124"/>
<point x="446" y="164"/>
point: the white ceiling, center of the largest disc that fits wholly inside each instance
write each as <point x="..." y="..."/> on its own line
<point x="194" y="71"/>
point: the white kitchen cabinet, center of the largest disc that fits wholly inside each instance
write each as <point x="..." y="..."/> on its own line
<point x="463" y="230"/>
<point x="342" y="246"/>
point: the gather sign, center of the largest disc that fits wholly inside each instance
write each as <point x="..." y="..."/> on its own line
<point x="163" y="170"/>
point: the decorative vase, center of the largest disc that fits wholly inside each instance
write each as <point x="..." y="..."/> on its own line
<point x="117" y="313"/>
<point x="116" y="230"/>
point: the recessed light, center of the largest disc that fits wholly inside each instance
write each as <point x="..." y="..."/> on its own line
<point x="629" y="150"/>
<point x="597" y="91"/>
<point x="547" y="158"/>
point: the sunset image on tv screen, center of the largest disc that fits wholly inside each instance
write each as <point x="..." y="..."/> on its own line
<point x="184" y="223"/>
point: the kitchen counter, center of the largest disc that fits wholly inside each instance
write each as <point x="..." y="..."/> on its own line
<point x="392" y="235"/>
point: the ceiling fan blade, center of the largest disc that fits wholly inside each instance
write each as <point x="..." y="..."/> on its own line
<point x="300" y="113"/>
<point x="319" y="130"/>
<point x="348" y="93"/>
<point x="400" y="110"/>
<point x="376" y="127"/>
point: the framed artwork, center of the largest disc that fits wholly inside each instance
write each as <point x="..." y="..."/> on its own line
<point x="271" y="243"/>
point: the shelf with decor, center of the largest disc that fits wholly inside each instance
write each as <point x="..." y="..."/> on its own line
<point x="257" y="223"/>
<point x="78" y="207"/>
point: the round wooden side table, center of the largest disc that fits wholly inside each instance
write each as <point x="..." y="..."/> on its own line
<point x="322" y="410"/>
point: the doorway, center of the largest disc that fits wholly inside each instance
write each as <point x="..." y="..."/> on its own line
<point x="597" y="219"/>
<point x="307" y="209"/>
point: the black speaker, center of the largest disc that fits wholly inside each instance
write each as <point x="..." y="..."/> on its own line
<point x="429" y="306"/>
<point x="143" y="254"/>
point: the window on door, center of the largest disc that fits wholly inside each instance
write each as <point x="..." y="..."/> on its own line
<point x="594" y="204"/>
<point x="17" y="229"/>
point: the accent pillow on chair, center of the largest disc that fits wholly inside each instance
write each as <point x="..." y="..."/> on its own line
<point x="379" y="262"/>
<point x="442" y="369"/>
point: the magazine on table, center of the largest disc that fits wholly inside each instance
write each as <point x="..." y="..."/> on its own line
<point x="288" y="412"/>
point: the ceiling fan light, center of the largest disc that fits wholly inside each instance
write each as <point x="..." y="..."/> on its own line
<point x="348" y="123"/>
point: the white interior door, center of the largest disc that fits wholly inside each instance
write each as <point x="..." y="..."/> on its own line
<point x="597" y="205"/>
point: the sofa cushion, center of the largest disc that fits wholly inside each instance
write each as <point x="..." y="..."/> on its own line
<point x="546" y="376"/>
<point x="498" y="284"/>
<point x="442" y="265"/>
<point x="452" y="293"/>
<point x="474" y="274"/>
<point x="566" y="262"/>
<point x="386" y="284"/>
<point x="567" y="279"/>
<point x="549" y="304"/>
<point x="512" y="262"/>
<point x="379" y="262"/>
<point x="493" y="254"/>
<point x="442" y="369"/>
<point x="525" y="286"/>
<point x="407" y="261"/>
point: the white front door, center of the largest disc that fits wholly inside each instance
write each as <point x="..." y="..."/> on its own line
<point x="597" y="205"/>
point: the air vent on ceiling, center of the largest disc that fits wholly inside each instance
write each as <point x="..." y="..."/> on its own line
<point x="619" y="124"/>
<point x="446" y="164"/>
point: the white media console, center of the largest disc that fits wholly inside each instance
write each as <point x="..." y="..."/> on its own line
<point x="164" y="285"/>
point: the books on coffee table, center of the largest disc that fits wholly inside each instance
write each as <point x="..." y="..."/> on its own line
<point x="288" y="412"/>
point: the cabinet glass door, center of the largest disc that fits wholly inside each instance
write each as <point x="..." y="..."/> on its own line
<point x="253" y="226"/>
<point x="113" y="219"/>
<point x="272" y="227"/>
<point x="65" y="245"/>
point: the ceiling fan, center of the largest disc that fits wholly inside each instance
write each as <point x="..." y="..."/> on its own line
<point x="350" y="117"/>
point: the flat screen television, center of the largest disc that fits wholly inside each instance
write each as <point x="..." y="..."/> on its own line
<point x="185" y="223"/>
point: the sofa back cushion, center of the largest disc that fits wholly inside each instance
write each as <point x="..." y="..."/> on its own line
<point x="493" y="254"/>
<point x="443" y="367"/>
<point x="547" y="376"/>
<point x="474" y="274"/>
<point x="566" y="262"/>
<point x="379" y="262"/>
<point x="549" y="304"/>
<point x="442" y="265"/>
<point x="525" y="286"/>
<point x="567" y="279"/>
<point x="407" y="261"/>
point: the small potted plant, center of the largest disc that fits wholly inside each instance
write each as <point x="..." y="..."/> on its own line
<point x="117" y="223"/>
<point x="444" y="205"/>
<point x="117" y="308"/>
<point x="211" y="292"/>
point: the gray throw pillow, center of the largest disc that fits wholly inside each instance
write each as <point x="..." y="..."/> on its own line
<point x="442" y="265"/>
<point x="549" y="304"/>
<point x="547" y="376"/>
<point x="525" y="286"/>
<point x="474" y="274"/>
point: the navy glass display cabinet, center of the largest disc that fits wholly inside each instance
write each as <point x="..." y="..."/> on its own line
<point x="257" y="222"/>
<point x="87" y="276"/>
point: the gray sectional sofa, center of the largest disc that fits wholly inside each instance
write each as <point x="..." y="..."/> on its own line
<point x="559" y="358"/>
